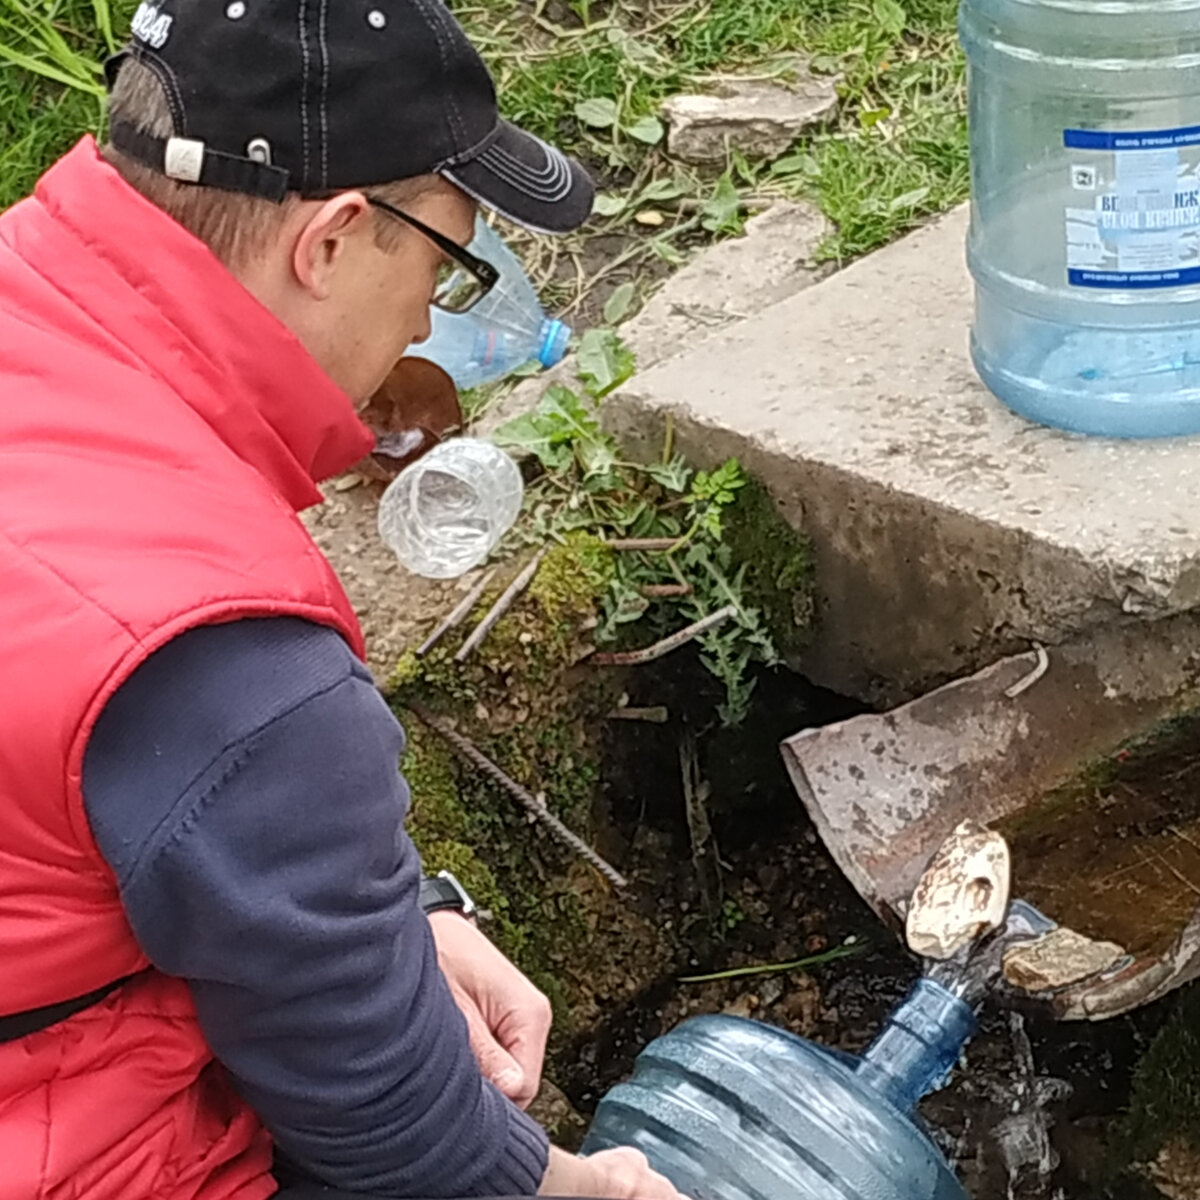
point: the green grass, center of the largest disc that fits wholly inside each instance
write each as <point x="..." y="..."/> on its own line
<point x="51" y="85"/>
<point x="895" y="153"/>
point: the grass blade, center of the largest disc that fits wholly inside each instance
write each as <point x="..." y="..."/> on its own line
<point x="800" y="964"/>
<point x="104" y="23"/>
<point x="49" y="71"/>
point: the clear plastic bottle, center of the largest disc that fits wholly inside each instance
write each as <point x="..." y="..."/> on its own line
<point x="1085" y="221"/>
<point x="446" y="512"/>
<point x="505" y="330"/>
<point x="732" y="1109"/>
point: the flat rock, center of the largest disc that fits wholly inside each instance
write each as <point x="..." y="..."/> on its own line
<point x="1057" y="960"/>
<point x="947" y="531"/>
<point x="759" y="119"/>
<point x="773" y="259"/>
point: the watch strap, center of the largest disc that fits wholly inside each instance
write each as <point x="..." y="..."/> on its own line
<point x="442" y="892"/>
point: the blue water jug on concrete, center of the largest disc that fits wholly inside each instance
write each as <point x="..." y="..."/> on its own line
<point x="1085" y="219"/>
<point x="732" y="1109"/>
<point x="505" y="330"/>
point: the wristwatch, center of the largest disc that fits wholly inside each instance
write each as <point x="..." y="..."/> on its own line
<point x="442" y="891"/>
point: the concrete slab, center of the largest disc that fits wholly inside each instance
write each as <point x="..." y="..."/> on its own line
<point x="722" y="285"/>
<point x="947" y="530"/>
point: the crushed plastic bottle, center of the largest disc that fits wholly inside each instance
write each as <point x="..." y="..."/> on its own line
<point x="446" y="512"/>
<point x="505" y="330"/>
<point x="1085" y="220"/>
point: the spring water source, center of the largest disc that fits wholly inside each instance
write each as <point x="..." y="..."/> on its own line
<point x="732" y="1109"/>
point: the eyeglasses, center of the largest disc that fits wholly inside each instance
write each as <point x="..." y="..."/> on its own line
<point x="462" y="282"/>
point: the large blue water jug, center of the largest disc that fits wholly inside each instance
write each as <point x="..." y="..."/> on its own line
<point x="731" y="1109"/>
<point x="1085" y="217"/>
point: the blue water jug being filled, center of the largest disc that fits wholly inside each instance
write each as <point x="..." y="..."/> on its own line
<point x="732" y="1109"/>
<point x="505" y="330"/>
<point x="1085" y="217"/>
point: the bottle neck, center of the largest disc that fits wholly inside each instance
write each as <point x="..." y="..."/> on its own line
<point x="555" y="336"/>
<point x="918" y="1047"/>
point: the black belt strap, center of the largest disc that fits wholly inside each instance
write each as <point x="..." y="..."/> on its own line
<point x="22" y="1024"/>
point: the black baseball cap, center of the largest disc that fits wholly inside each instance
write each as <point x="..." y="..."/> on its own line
<point x="319" y="96"/>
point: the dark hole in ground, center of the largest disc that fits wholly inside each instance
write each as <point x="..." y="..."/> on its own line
<point x="783" y="898"/>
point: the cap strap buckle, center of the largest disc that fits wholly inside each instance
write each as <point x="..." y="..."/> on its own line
<point x="191" y="161"/>
<point x="184" y="159"/>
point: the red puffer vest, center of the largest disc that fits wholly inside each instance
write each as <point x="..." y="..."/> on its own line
<point x="159" y="430"/>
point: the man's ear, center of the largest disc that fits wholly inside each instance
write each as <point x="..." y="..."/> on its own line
<point x="321" y="245"/>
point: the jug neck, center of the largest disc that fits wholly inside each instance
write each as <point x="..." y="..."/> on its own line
<point x="918" y="1047"/>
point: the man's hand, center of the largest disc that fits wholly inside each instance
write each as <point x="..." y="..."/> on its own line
<point x="620" y="1174"/>
<point x="508" y="1018"/>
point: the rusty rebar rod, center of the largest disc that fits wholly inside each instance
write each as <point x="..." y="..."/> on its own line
<point x="503" y="604"/>
<point x="469" y="752"/>
<point x="634" y="658"/>
<point x="662" y="591"/>
<point x="643" y="543"/>
<point x="656" y="714"/>
<point x="458" y="613"/>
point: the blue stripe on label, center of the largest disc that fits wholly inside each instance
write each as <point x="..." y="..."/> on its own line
<point x="1151" y="139"/>
<point x="1134" y="279"/>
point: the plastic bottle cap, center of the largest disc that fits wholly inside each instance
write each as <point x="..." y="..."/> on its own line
<point x="555" y="336"/>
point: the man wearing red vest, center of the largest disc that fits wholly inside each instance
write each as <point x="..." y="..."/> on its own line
<point x="219" y="976"/>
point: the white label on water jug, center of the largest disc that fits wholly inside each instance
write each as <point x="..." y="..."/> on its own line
<point x="1134" y="217"/>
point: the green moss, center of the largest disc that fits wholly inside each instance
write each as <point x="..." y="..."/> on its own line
<point x="1164" y="1102"/>
<point x="571" y="578"/>
<point x="479" y="880"/>
<point x="408" y="669"/>
<point x="520" y="699"/>
<point x="437" y="813"/>
<point x="779" y="566"/>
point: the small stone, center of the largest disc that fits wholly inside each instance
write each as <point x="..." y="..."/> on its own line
<point x="743" y="1006"/>
<point x="801" y="1006"/>
<point x="760" y="120"/>
<point x="1057" y="960"/>
<point x="770" y="990"/>
<point x="651" y="217"/>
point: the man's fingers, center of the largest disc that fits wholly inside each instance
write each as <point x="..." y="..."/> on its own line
<point x="494" y="1061"/>
<point x="524" y="1037"/>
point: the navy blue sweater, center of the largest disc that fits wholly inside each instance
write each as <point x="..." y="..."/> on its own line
<point x="244" y="786"/>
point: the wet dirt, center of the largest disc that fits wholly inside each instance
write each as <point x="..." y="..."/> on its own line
<point x="1031" y="1113"/>
<point x="1117" y="855"/>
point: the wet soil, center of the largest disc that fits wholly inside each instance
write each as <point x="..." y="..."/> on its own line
<point x="1143" y="807"/>
<point x="1032" y="1114"/>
